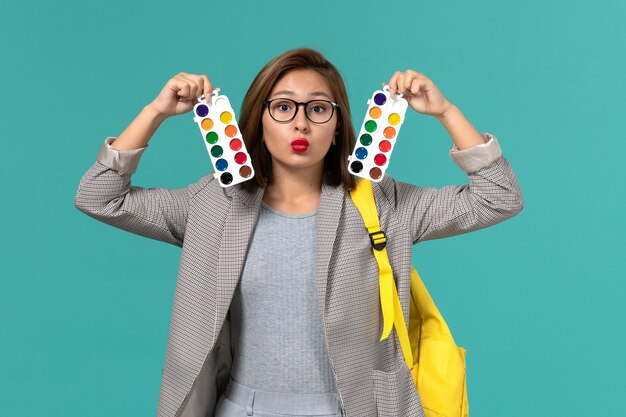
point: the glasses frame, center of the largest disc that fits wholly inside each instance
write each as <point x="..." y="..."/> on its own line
<point x="298" y="104"/>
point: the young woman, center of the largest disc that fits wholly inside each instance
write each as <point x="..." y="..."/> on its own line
<point x="277" y="310"/>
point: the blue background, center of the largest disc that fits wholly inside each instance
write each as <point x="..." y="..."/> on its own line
<point x="538" y="301"/>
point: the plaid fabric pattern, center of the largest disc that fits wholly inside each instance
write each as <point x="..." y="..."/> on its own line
<point x="213" y="226"/>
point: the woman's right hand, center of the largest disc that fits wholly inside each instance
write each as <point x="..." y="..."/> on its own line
<point x="181" y="93"/>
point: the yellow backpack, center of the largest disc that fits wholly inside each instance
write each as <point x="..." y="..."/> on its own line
<point x="436" y="363"/>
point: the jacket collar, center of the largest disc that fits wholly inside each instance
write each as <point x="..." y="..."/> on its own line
<point x="255" y="197"/>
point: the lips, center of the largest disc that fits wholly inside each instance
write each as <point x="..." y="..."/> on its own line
<point x="300" y="145"/>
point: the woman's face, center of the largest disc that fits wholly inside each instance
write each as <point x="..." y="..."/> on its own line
<point x="300" y="86"/>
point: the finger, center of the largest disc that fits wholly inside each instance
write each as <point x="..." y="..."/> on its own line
<point x="203" y="84"/>
<point x="404" y="81"/>
<point x="404" y="85"/>
<point x="207" y="88"/>
<point x="192" y="81"/>
<point x="393" y="83"/>
<point x="416" y="86"/>
<point x="417" y="74"/>
<point x="181" y="86"/>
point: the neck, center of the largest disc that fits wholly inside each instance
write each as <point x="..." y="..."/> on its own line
<point x="295" y="186"/>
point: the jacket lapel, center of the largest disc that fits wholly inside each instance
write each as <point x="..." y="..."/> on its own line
<point x="238" y="230"/>
<point x="328" y="215"/>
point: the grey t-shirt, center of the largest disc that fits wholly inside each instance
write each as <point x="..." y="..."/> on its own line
<point x="277" y="330"/>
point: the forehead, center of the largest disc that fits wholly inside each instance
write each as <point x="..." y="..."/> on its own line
<point x="302" y="83"/>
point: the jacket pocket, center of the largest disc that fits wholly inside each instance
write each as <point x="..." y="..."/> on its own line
<point x="396" y="394"/>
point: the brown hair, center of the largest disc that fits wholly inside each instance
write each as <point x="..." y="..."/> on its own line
<point x="336" y="160"/>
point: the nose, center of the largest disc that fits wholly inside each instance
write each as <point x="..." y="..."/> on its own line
<point x="301" y="122"/>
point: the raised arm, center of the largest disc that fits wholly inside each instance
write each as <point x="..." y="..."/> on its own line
<point x="106" y="194"/>
<point x="492" y="196"/>
<point x="105" y="191"/>
<point x="493" y="193"/>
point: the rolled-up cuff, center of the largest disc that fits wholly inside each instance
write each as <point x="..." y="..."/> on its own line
<point x="478" y="156"/>
<point x="124" y="162"/>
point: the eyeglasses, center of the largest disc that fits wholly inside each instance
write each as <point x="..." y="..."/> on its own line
<point x="317" y="111"/>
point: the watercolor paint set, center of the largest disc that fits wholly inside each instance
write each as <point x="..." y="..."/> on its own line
<point x="223" y="140"/>
<point x="378" y="135"/>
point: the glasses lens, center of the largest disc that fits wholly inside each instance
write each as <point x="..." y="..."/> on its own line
<point x="282" y="110"/>
<point x="319" y="111"/>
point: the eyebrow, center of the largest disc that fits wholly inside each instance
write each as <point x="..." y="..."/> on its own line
<point x="313" y="94"/>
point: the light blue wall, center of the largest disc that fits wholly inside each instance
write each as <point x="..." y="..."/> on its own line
<point x="538" y="300"/>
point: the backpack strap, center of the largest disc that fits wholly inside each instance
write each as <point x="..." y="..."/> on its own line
<point x="363" y="198"/>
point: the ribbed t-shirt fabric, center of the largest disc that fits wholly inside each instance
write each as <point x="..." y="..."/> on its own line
<point x="277" y="329"/>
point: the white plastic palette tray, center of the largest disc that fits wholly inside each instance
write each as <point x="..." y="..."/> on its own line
<point x="378" y="135"/>
<point x="223" y="140"/>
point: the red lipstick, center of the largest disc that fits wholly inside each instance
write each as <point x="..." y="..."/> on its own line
<point x="300" y="145"/>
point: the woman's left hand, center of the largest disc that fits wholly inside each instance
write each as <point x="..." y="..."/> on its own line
<point x="421" y="93"/>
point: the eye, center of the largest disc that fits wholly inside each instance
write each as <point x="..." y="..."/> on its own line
<point x="319" y="107"/>
<point x="282" y="106"/>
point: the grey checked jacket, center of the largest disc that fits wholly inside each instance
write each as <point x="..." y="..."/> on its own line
<point x="213" y="225"/>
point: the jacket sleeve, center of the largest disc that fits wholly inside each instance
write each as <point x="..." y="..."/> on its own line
<point x="492" y="196"/>
<point x="106" y="194"/>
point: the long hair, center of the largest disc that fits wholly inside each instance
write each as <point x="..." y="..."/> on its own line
<point x="336" y="160"/>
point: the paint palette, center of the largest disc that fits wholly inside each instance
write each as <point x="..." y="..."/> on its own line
<point x="223" y="141"/>
<point x="378" y="135"/>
